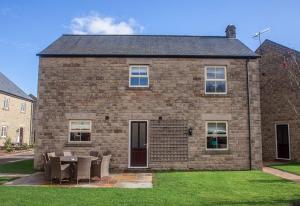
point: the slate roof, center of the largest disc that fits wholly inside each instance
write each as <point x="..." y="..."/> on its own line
<point x="8" y="87"/>
<point x="148" y="46"/>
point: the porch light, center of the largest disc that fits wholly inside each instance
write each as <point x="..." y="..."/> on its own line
<point x="190" y="131"/>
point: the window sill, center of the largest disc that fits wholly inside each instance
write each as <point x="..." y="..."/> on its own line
<point x="78" y="144"/>
<point x="216" y="95"/>
<point x="139" y="88"/>
<point x="217" y="152"/>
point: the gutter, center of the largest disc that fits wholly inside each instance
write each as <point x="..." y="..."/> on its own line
<point x="149" y="56"/>
<point x="16" y="96"/>
<point x="249" y="117"/>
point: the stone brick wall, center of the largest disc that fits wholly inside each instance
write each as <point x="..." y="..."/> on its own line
<point x="93" y="88"/>
<point x="276" y="92"/>
<point x="13" y="118"/>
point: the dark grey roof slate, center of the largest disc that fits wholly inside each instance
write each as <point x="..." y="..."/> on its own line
<point x="147" y="45"/>
<point x="10" y="88"/>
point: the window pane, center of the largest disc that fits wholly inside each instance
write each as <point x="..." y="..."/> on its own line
<point x="75" y="126"/>
<point x="143" y="71"/>
<point x="220" y="86"/>
<point x="220" y="73"/>
<point x="134" y="135"/>
<point x="221" y="128"/>
<point x="85" y="136"/>
<point x="210" y="86"/>
<point x="85" y="125"/>
<point x="143" y="129"/>
<point x="211" y="142"/>
<point x="211" y="128"/>
<point x="134" y="81"/>
<point x="222" y="142"/>
<point x="144" y="81"/>
<point x="75" y="136"/>
<point x="210" y="73"/>
<point x="135" y="71"/>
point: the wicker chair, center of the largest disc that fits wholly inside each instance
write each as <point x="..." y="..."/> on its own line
<point x="47" y="167"/>
<point x="51" y="154"/>
<point x="94" y="153"/>
<point x="101" y="168"/>
<point x="59" y="171"/>
<point x="105" y="166"/>
<point x="83" y="168"/>
<point x="68" y="153"/>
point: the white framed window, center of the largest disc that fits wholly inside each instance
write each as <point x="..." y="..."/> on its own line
<point x="139" y="76"/>
<point x="80" y="130"/>
<point x="4" y="131"/>
<point x="216" y="135"/>
<point x="23" y="107"/>
<point x="6" y="103"/>
<point x="215" y="80"/>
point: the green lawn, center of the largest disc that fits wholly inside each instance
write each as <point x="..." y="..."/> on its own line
<point x="170" y="188"/>
<point x="22" y="167"/>
<point x="290" y="167"/>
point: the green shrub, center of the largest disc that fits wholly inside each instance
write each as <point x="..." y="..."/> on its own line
<point x="24" y="146"/>
<point x="8" y="145"/>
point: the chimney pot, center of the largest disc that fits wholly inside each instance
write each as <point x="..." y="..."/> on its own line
<point x="230" y="31"/>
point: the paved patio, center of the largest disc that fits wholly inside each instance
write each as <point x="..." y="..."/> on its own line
<point x="119" y="180"/>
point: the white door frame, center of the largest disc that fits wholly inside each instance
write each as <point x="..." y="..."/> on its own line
<point x="289" y="136"/>
<point x="129" y="143"/>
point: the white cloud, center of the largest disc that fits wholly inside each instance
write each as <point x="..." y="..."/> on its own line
<point x="96" y="24"/>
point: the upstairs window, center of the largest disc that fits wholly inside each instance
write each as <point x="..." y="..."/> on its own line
<point x="216" y="135"/>
<point x="80" y="130"/>
<point x="23" y="107"/>
<point x="139" y="76"/>
<point x="6" y="103"/>
<point x="215" y="80"/>
<point x="4" y="131"/>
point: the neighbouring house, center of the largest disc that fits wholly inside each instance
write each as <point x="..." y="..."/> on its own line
<point x="153" y="101"/>
<point x="280" y="101"/>
<point x="15" y="113"/>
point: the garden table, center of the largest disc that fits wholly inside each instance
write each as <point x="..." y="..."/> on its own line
<point x="73" y="159"/>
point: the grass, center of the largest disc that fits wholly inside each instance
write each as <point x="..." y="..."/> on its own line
<point x="170" y="188"/>
<point x="289" y="167"/>
<point x="21" y="167"/>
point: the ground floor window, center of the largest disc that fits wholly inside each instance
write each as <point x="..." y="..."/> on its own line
<point x="4" y="131"/>
<point x="216" y="135"/>
<point x="80" y="130"/>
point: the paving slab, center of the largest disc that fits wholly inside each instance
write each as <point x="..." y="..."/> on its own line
<point x="117" y="180"/>
<point x="282" y="174"/>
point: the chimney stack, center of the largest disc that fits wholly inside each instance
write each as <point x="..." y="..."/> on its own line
<point x="230" y="31"/>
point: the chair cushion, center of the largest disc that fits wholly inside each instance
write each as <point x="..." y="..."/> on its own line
<point x="64" y="166"/>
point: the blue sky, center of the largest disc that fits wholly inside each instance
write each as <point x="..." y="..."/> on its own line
<point x="29" y="26"/>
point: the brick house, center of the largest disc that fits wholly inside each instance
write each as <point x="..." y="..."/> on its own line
<point x="15" y="113"/>
<point x="280" y="101"/>
<point x="153" y="101"/>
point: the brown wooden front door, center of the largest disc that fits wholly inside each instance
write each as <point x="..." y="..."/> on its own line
<point x="138" y="144"/>
<point x="283" y="142"/>
<point x="21" y="135"/>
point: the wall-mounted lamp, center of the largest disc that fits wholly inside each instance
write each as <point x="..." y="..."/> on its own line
<point x="160" y="118"/>
<point x="106" y="117"/>
<point x="190" y="131"/>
